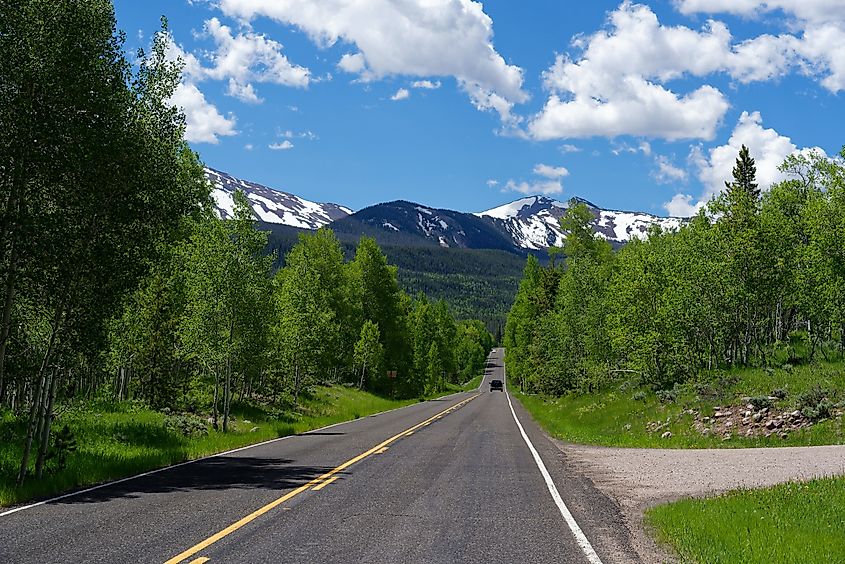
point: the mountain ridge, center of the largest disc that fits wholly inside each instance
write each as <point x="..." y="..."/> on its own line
<point x="269" y="204"/>
<point x="526" y="224"/>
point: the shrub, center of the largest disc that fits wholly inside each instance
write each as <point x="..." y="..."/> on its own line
<point x="186" y="425"/>
<point x="706" y="392"/>
<point x="638" y="396"/>
<point x="779" y="393"/>
<point x="815" y="403"/>
<point x="759" y="402"/>
<point x="626" y="385"/>
<point x="63" y="443"/>
<point x="667" y="396"/>
<point x="820" y="411"/>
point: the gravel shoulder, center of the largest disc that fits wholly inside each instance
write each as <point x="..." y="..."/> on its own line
<point x="641" y="478"/>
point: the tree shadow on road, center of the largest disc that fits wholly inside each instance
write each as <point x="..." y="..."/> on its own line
<point x="217" y="473"/>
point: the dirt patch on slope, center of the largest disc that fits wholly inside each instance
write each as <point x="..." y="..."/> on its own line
<point x="639" y="478"/>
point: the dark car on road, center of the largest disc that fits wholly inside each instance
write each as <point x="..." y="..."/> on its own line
<point x="497" y="385"/>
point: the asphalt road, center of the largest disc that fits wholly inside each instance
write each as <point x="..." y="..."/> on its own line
<point x="451" y="480"/>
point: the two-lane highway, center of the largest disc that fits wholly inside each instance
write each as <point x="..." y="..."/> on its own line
<point x="452" y="480"/>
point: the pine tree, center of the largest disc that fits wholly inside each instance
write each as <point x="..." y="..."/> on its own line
<point x="744" y="173"/>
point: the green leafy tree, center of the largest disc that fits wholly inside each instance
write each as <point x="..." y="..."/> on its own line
<point x="369" y="352"/>
<point x="381" y="299"/>
<point x="87" y="197"/>
<point x="227" y="279"/>
<point x="313" y="310"/>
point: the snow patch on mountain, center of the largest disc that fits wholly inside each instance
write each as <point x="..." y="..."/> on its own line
<point x="431" y="224"/>
<point x="625" y="226"/>
<point x="534" y="222"/>
<point x="269" y="205"/>
<point x="515" y="208"/>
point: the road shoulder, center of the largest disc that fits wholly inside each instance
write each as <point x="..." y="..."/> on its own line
<point x="638" y="478"/>
<point x="599" y="515"/>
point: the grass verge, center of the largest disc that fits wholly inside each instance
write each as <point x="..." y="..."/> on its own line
<point x="631" y="417"/>
<point x="472" y="384"/>
<point x="119" y="440"/>
<point x="795" y="522"/>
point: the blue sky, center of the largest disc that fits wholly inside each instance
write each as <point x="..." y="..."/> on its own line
<point x="466" y="106"/>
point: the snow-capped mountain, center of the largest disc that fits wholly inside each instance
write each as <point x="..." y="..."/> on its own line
<point x="408" y="223"/>
<point x="271" y="206"/>
<point x="531" y="223"/>
<point x="534" y="222"/>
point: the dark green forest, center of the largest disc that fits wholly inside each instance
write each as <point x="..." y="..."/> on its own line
<point x="755" y="279"/>
<point x="119" y="283"/>
<point x="476" y="283"/>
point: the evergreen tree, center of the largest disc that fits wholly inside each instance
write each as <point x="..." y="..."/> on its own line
<point x="744" y="174"/>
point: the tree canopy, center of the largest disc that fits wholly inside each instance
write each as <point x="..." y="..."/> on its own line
<point x="752" y="280"/>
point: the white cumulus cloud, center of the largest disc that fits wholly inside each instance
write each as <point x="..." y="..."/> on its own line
<point x="806" y="10"/>
<point x="420" y="38"/>
<point x="619" y="84"/>
<point x="283" y="146"/>
<point x="352" y="63"/>
<point x="817" y="45"/>
<point x="682" y="205"/>
<point x="426" y="84"/>
<point x="243" y="92"/>
<point x="767" y="147"/>
<point x="666" y="171"/>
<point x="549" y="183"/>
<point x="205" y="124"/>
<point x="400" y="94"/>
<point x="548" y="171"/>
<point x="541" y="187"/>
<point x="569" y="148"/>
<point x="249" y="57"/>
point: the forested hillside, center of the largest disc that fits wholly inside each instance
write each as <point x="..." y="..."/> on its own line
<point x="476" y="283"/>
<point x="120" y="283"/>
<point x="754" y="280"/>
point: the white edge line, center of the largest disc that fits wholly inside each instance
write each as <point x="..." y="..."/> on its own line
<point x="580" y="537"/>
<point x="172" y="466"/>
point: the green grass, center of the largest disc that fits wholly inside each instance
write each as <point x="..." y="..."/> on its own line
<point x="118" y="440"/>
<point x="620" y="416"/>
<point x="472" y="384"/>
<point x="796" y="522"/>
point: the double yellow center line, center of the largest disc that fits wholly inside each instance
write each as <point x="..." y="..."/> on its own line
<point x="319" y="482"/>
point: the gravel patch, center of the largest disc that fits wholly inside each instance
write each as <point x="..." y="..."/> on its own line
<point x="639" y="478"/>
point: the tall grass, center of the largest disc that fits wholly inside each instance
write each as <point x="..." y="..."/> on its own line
<point x="789" y="523"/>
<point x="472" y="384"/>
